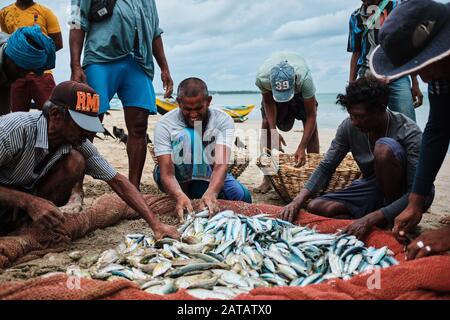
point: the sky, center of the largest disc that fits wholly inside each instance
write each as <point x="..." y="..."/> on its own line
<point x="224" y="42"/>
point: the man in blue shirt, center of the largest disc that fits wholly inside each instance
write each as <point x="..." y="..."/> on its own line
<point x="118" y="58"/>
<point x="365" y="23"/>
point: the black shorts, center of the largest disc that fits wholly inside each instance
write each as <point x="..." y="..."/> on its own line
<point x="287" y="112"/>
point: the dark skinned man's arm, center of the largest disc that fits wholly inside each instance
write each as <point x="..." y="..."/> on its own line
<point x="270" y="109"/>
<point x="76" y="42"/>
<point x="172" y="187"/>
<point x="57" y="39"/>
<point x="158" y="53"/>
<point x="354" y="66"/>
<point x="130" y="194"/>
<point x="310" y="127"/>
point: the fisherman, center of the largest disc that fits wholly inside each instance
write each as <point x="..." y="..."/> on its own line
<point x="365" y="22"/>
<point x="27" y="49"/>
<point x="288" y="93"/>
<point x="193" y="145"/>
<point x="34" y="87"/>
<point x="43" y="154"/>
<point x="416" y="40"/>
<point x="384" y="144"/>
<point x="118" y="58"/>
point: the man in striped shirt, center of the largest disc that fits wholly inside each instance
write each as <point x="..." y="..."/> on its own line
<point x="44" y="154"/>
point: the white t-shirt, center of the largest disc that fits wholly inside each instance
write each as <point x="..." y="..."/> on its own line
<point x="303" y="81"/>
<point x="220" y="126"/>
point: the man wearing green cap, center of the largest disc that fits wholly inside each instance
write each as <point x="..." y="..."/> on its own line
<point x="27" y="49"/>
<point x="288" y="94"/>
<point x="44" y="154"/>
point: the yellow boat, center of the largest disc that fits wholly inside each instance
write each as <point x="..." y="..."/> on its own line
<point x="238" y="113"/>
<point x="165" y="105"/>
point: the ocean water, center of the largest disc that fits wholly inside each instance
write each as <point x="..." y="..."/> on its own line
<point x="329" y="114"/>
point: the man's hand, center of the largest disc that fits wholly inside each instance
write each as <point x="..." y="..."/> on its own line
<point x="405" y="222"/>
<point x="166" y="231"/>
<point x="429" y="243"/>
<point x="78" y="75"/>
<point x="417" y="95"/>
<point x="300" y="157"/>
<point x="290" y="211"/>
<point x="359" y="228"/>
<point x="44" y="213"/>
<point x="209" y="200"/>
<point x="183" y="203"/>
<point x="167" y="83"/>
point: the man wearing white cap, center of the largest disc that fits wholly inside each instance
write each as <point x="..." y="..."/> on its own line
<point x="44" y="154"/>
<point x="288" y="93"/>
<point x="416" y="40"/>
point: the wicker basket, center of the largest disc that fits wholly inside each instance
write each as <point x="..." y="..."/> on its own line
<point x="241" y="160"/>
<point x="288" y="180"/>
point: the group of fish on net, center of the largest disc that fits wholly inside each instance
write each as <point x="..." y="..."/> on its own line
<point x="230" y="254"/>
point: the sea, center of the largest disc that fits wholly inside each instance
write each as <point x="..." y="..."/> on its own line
<point x="329" y="114"/>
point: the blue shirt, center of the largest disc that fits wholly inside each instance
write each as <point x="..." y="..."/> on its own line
<point x="366" y="42"/>
<point x="113" y="39"/>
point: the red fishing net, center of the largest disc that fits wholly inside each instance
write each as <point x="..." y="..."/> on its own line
<point x="420" y="279"/>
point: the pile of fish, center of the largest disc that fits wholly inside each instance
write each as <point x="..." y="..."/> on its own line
<point x="231" y="254"/>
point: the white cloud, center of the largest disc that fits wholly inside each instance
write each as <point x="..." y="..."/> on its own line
<point x="328" y="24"/>
<point x="225" y="41"/>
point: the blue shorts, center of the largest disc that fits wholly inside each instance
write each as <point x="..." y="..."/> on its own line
<point x="126" y="78"/>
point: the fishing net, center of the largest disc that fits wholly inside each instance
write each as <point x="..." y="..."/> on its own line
<point x="421" y="279"/>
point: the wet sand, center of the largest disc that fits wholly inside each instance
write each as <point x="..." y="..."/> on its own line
<point x="115" y="152"/>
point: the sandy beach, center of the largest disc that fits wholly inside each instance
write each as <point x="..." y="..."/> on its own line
<point x="115" y="152"/>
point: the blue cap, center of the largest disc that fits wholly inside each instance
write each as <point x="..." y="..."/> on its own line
<point x="282" y="81"/>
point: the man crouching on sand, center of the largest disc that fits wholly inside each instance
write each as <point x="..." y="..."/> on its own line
<point x="43" y="154"/>
<point x="193" y="145"/>
<point x="384" y="144"/>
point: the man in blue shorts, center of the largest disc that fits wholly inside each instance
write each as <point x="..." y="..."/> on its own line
<point x="193" y="145"/>
<point x="118" y="58"/>
<point x="384" y="144"/>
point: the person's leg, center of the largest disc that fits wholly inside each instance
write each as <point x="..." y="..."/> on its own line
<point x="233" y="190"/>
<point x="265" y="141"/>
<point x="355" y="201"/>
<point x="328" y="208"/>
<point x="400" y="97"/>
<point x="20" y="95"/>
<point x="139" y="100"/>
<point x="136" y="120"/>
<point x="41" y="88"/>
<point x="390" y="168"/>
<point x="56" y="186"/>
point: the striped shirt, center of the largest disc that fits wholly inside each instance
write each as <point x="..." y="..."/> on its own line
<point x="360" y="40"/>
<point x="24" y="145"/>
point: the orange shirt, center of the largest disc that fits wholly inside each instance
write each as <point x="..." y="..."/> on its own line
<point x="12" y="18"/>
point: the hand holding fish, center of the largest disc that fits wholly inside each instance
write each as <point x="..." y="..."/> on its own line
<point x="209" y="200"/>
<point x="183" y="203"/>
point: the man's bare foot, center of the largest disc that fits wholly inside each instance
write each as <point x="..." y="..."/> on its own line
<point x="75" y="203"/>
<point x="445" y="220"/>
<point x="265" y="186"/>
